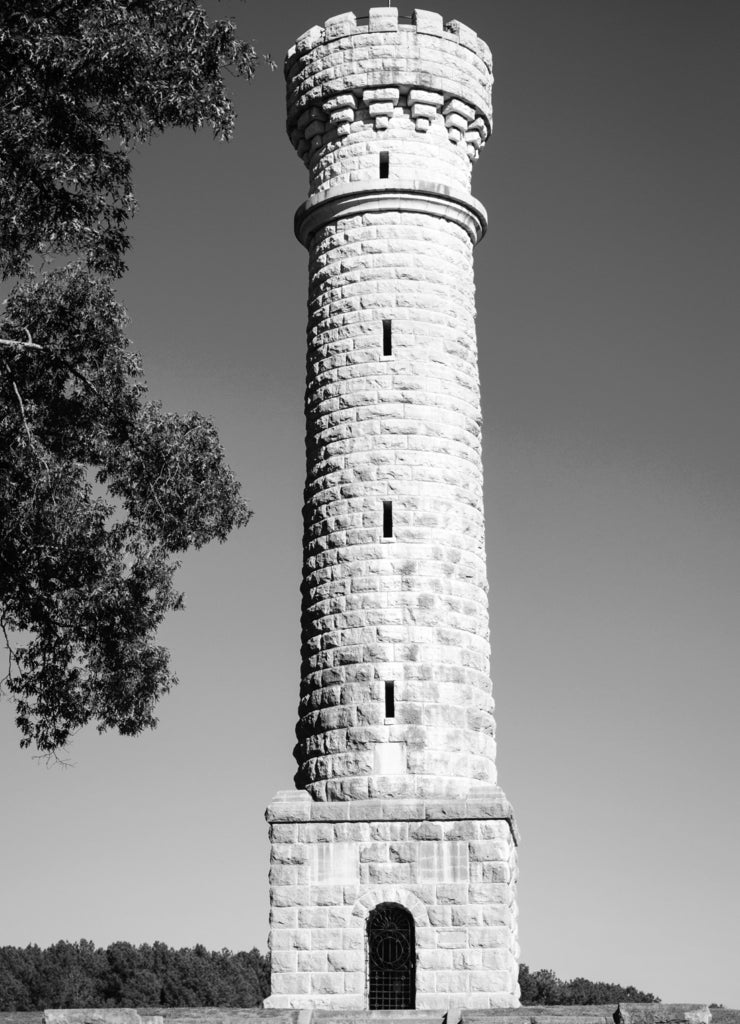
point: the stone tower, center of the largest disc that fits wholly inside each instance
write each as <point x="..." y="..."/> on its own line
<point x="393" y="863"/>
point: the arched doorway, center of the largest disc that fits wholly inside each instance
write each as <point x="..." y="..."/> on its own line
<point x="391" y="946"/>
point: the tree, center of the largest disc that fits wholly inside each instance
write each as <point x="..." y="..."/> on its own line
<point x="100" y="489"/>
<point x="544" y="988"/>
<point x="83" y="82"/>
<point x="78" y="974"/>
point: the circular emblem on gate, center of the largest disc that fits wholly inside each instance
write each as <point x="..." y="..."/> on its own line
<point x="390" y="949"/>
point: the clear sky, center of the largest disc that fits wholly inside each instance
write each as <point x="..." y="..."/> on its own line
<point x="608" y="312"/>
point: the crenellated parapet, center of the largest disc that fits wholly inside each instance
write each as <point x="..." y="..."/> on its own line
<point x="371" y="71"/>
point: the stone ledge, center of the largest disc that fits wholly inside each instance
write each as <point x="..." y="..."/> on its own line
<point x="395" y="196"/>
<point x="625" y="1013"/>
<point x="490" y="803"/>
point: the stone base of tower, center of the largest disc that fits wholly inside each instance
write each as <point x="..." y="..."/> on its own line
<point x="449" y="868"/>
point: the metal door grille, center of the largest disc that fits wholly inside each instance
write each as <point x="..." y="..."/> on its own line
<point x="391" y="958"/>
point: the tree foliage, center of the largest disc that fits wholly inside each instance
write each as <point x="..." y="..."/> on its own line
<point x="100" y="488"/>
<point x="82" y="83"/>
<point x="78" y="974"/>
<point x="544" y="988"/>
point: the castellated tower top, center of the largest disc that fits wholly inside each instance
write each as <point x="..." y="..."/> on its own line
<point x="383" y="67"/>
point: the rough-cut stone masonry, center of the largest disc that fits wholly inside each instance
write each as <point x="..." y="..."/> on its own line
<point x="397" y="804"/>
<point x="451" y="864"/>
<point x="407" y="429"/>
<point x="432" y="77"/>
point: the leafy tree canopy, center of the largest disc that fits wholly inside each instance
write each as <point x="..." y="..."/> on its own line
<point x="82" y="82"/>
<point x="99" y="487"/>
<point x="78" y="974"/>
<point x="544" y="988"/>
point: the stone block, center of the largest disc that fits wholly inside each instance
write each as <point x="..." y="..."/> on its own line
<point x="440" y="917"/>
<point x="313" y="917"/>
<point x="374" y="853"/>
<point x="355" y="981"/>
<point x="426" y="938"/>
<point x="436" y="99"/>
<point x="290" y="896"/>
<point x="464" y="916"/>
<point x="467" y="959"/>
<point x="284" y="833"/>
<point x="456" y="894"/>
<point x="453" y="938"/>
<point x="490" y="981"/>
<point x="383" y="19"/>
<point x="489" y="938"/>
<point x="340" y="25"/>
<point x="453" y="981"/>
<point x="340" y="101"/>
<point x="112" y="1016"/>
<point x="334" y="862"/>
<point x="326" y="938"/>
<point x="490" y="893"/>
<point x="428" y="23"/>
<point x="435" y="959"/>
<point x="311" y="960"/>
<point x="282" y="960"/>
<point x="659" y="1013"/>
<point x="388" y="874"/>
<point x="309" y="39"/>
<point x="381" y="109"/>
<point x="328" y="984"/>
<point x="456" y="106"/>
<point x="288" y="853"/>
<point x="283" y="917"/>
<point x="353" y="938"/>
<point x="347" y="960"/>
<point x="403" y="853"/>
<point x="497" y="959"/>
<point x="339" y="917"/>
<point x="426" y="830"/>
<point x="290" y="984"/>
<point x="287" y="939"/>
<point x="380" y="95"/>
<point x="326" y="895"/>
<point x="496" y="872"/>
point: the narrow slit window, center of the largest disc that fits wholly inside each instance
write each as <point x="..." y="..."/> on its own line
<point x="387" y="338"/>
<point x="384" y="164"/>
<point x="387" y="518"/>
<point x="390" y="699"/>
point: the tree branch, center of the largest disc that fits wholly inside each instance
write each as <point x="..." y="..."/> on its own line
<point x="20" y="344"/>
<point x="23" y="410"/>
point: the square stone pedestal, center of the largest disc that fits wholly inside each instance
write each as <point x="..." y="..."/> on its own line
<point x="450" y="864"/>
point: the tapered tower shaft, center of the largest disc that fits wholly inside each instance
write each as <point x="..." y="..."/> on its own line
<point x="394" y="589"/>
<point x="393" y="863"/>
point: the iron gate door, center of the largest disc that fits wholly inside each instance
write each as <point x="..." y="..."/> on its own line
<point x="391" y="958"/>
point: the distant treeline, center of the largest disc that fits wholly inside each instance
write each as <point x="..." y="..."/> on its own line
<point x="544" y="988"/>
<point x="79" y="974"/>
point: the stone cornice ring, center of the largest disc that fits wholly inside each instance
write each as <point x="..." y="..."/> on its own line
<point x="334" y="204"/>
